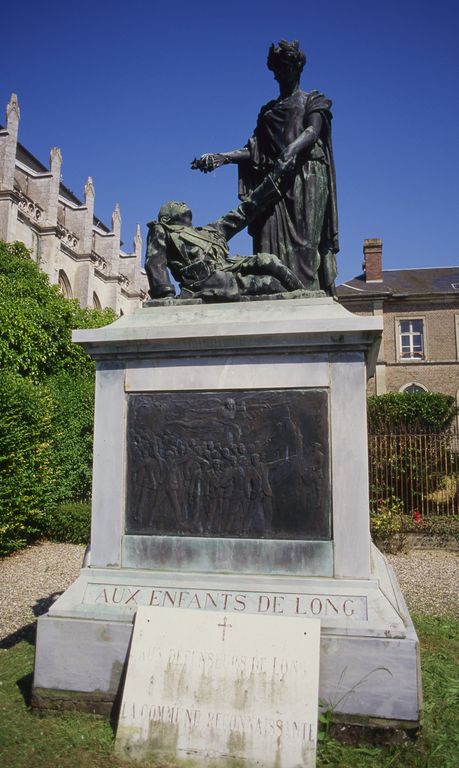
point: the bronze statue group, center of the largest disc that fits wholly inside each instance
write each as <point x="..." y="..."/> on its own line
<point x="287" y="189"/>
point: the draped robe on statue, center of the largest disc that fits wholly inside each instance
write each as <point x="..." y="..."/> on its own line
<point x="302" y="227"/>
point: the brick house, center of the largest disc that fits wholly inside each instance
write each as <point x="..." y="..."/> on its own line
<point x="420" y="308"/>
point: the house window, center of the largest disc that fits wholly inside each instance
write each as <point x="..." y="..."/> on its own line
<point x="413" y="387"/>
<point x="411" y="340"/>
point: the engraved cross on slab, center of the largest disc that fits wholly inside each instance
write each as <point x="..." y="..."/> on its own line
<point x="225" y="627"/>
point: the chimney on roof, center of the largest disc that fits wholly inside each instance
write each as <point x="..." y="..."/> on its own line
<point x="372" y="260"/>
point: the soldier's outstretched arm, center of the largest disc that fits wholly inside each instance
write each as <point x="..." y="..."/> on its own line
<point x="232" y="222"/>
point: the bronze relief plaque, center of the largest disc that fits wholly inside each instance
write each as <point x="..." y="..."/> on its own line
<point x="252" y="464"/>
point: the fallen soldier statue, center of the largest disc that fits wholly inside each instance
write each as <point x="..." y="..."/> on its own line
<point x="197" y="257"/>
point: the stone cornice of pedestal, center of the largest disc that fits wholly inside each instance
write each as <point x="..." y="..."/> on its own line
<point x="301" y="325"/>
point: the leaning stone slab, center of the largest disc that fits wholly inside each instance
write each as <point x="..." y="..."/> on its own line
<point x="221" y="688"/>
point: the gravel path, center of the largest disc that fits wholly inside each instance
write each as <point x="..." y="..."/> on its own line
<point x="429" y="580"/>
<point x="32" y="579"/>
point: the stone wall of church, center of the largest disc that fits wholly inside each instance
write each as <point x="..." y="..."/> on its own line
<point x="77" y="251"/>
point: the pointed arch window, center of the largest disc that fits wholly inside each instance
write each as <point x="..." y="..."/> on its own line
<point x="64" y="285"/>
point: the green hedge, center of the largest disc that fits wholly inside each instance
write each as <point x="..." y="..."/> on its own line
<point x="46" y="403"/>
<point x="25" y="461"/>
<point x="72" y="436"/>
<point x="70" y="523"/>
<point x="405" y="411"/>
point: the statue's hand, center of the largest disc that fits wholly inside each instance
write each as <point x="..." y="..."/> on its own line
<point x="288" y="154"/>
<point x="209" y="162"/>
<point x="284" y="167"/>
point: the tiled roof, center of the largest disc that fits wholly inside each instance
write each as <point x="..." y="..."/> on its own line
<point x="405" y="282"/>
<point x="28" y="159"/>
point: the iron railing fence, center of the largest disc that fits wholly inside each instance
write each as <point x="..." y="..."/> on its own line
<point x="420" y="470"/>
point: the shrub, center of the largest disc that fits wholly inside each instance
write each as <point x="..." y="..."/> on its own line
<point x="46" y="392"/>
<point x="387" y="524"/>
<point x="25" y="461"/>
<point x="71" y="523"/>
<point x="446" y="526"/>
<point x="72" y="436"/>
<point x="404" y="411"/>
<point x="46" y="452"/>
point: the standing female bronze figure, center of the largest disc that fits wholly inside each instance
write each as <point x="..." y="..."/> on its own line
<point x="292" y="137"/>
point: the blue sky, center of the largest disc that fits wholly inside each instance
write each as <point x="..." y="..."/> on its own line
<point x="132" y="91"/>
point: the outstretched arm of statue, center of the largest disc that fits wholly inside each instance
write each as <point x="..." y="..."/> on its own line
<point x="304" y="141"/>
<point x="210" y="161"/>
<point x="156" y="263"/>
<point x="264" y="196"/>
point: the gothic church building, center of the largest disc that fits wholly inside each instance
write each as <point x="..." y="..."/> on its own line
<point x="75" y="249"/>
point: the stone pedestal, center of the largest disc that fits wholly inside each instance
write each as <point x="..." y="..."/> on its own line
<point x="190" y="401"/>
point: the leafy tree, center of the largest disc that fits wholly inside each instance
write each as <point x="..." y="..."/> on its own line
<point x="36" y="320"/>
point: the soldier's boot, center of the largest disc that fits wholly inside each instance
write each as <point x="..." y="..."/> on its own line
<point x="270" y="264"/>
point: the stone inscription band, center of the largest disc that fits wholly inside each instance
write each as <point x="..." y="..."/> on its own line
<point x="275" y="603"/>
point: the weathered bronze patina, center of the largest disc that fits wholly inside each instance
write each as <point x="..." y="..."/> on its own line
<point x="251" y="464"/>
<point x="301" y="227"/>
<point x="197" y="257"/>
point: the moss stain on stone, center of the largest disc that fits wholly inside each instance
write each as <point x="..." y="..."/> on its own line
<point x="163" y="737"/>
<point x="236" y="744"/>
<point x="204" y="690"/>
<point x="115" y="675"/>
<point x="241" y="693"/>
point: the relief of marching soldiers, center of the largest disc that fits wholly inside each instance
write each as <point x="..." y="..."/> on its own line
<point x="204" y="486"/>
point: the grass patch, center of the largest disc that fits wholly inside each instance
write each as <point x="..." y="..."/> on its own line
<point x="438" y="743"/>
<point x="74" y="740"/>
<point x="70" y="740"/>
